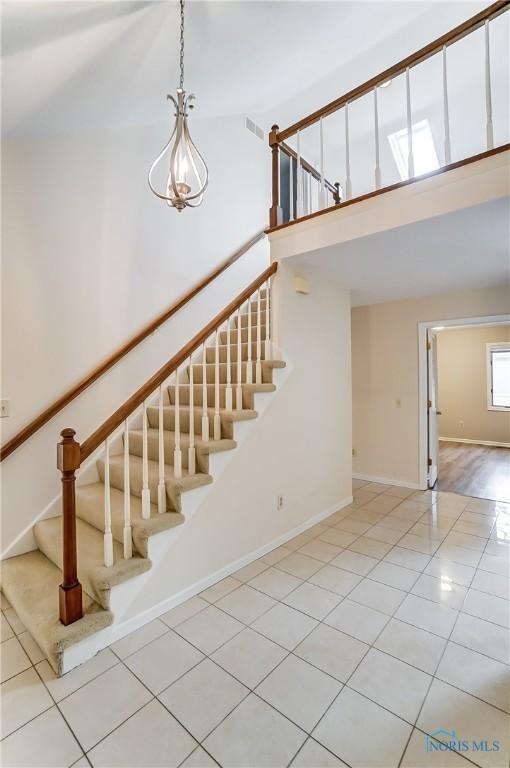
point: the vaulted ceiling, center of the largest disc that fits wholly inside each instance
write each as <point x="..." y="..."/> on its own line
<point x="74" y="66"/>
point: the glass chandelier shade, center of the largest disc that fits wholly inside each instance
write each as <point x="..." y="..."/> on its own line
<point x="182" y="164"/>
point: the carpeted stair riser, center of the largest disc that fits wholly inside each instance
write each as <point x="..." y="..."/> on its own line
<point x="248" y="394"/>
<point x="90" y="508"/>
<point x="174" y="486"/>
<point x="254" y="305"/>
<point x="222" y="353"/>
<point x="266" y="371"/>
<point x="253" y="319"/>
<point x="95" y="578"/>
<point x="233" y="336"/>
<point x="228" y="418"/>
<point x="202" y="450"/>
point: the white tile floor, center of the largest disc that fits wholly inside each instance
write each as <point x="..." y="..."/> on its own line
<point x="350" y="645"/>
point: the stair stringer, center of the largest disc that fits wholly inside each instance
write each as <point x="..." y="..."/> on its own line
<point x="128" y="601"/>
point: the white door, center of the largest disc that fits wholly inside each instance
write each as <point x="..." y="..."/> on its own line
<point x="433" y="413"/>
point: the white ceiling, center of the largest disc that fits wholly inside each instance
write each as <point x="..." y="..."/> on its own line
<point x="464" y="250"/>
<point x="86" y="65"/>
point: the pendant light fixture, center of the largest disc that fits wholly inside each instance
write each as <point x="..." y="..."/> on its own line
<point x="184" y="167"/>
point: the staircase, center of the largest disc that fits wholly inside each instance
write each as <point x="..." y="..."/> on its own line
<point x="212" y="392"/>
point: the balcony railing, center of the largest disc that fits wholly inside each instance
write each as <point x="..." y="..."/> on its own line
<point x="445" y="105"/>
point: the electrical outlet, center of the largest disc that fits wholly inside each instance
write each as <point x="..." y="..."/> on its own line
<point x="4" y="409"/>
<point x="354" y="453"/>
<point x="279" y="502"/>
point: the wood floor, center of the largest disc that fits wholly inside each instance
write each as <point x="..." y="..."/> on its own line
<point x="474" y="470"/>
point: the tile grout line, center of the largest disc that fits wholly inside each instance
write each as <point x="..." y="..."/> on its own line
<point x="434" y="675"/>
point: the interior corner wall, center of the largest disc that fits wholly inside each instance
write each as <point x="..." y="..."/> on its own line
<point x="462" y="385"/>
<point x="385" y="376"/>
<point x="90" y="256"/>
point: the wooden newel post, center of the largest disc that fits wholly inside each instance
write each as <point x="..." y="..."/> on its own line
<point x="275" y="210"/>
<point x="336" y="194"/>
<point x="68" y="461"/>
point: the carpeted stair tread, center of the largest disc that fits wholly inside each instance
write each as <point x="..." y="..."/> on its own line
<point x="90" y="508"/>
<point x="248" y="392"/>
<point x="233" y="335"/>
<point x="174" y="486"/>
<point x="228" y="418"/>
<point x="203" y="448"/>
<point x="267" y="367"/>
<point x="30" y="582"/>
<point x="96" y="579"/>
<point x="253" y="321"/>
<point x="222" y="352"/>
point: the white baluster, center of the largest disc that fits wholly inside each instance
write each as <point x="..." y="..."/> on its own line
<point x="258" y="364"/>
<point x="249" y="369"/>
<point x="108" y="538"/>
<point x="177" y="429"/>
<point x="191" y="430"/>
<point x="299" y="180"/>
<point x="292" y="213"/>
<point x="446" y="114"/>
<point x="146" y="494"/>
<point x="376" y="131"/>
<point x="239" y="389"/>
<point x="410" y="156"/>
<point x="228" y="388"/>
<point x="488" y="94"/>
<point x="161" y="455"/>
<point x="267" y="345"/>
<point x="310" y="193"/>
<point x="128" y="541"/>
<point x="322" y="194"/>
<point x="205" y="417"/>
<point x="217" y="417"/>
<point x="348" y="183"/>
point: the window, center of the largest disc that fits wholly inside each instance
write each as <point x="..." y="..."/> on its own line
<point x="498" y="377"/>
<point x="424" y="151"/>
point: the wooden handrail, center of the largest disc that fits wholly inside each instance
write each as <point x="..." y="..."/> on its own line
<point x="410" y="61"/>
<point x="120" y="415"/>
<point x="30" y="429"/>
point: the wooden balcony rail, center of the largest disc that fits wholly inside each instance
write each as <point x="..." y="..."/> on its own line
<point x="278" y="138"/>
<point x="43" y="418"/>
<point x="71" y="454"/>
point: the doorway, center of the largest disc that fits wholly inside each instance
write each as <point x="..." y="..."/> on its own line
<point x="465" y="406"/>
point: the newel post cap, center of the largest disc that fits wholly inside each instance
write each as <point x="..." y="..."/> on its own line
<point x="273" y="135"/>
<point x="68" y="451"/>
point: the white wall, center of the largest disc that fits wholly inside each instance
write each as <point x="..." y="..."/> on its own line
<point x="385" y="369"/>
<point x="462" y="385"/>
<point x="89" y="256"/>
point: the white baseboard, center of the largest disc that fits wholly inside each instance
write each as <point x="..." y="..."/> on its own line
<point x="473" y="442"/>
<point x="387" y="481"/>
<point x="81" y="652"/>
